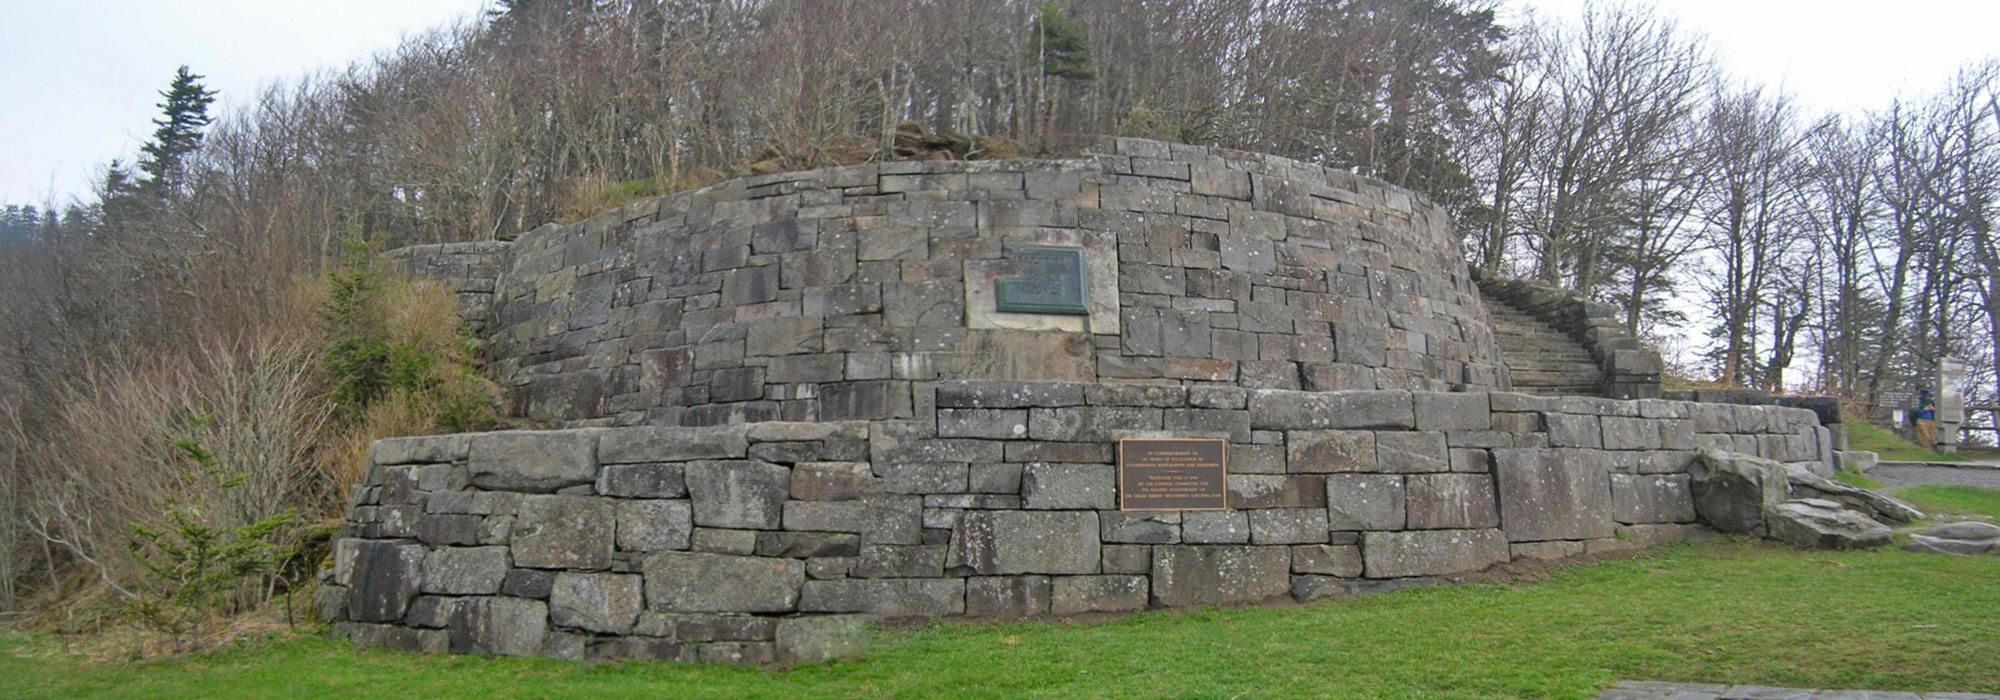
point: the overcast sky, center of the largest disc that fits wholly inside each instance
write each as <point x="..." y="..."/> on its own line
<point x="82" y="76"/>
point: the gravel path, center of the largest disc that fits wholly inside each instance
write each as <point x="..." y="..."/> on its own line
<point x="1896" y="475"/>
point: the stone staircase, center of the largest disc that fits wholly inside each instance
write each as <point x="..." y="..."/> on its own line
<point x="1555" y="343"/>
<point x="1541" y="358"/>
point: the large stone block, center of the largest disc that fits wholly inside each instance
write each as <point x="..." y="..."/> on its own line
<point x="1552" y="494"/>
<point x="1072" y="595"/>
<point x="1732" y="492"/>
<point x="1453" y="411"/>
<point x="1431" y="552"/>
<point x="698" y="582"/>
<point x="892" y="597"/>
<point x="1140" y="528"/>
<point x="532" y="460"/>
<point x="564" y="532"/>
<point x="1007" y="596"/>
<point x="1003" y="542"/>
<point x="1215" y="527"/>
<point x="382" y="580"/>
<point x="1309" y="451"/>
<point x="654" y="480"/>
<point x="1069" y="486"/>
<point x="1412" y="452"/>
<point x="672" y="444"/>
<point x="1288" y="526"/>
<point x="1451" y="502"/>
<point x="879" y="519"/>
<point x="820" y="638"/>
<point x="1651" y="498"/>
<point x="1219" y="574"/>
<point x="653" y="525"/>
<point x="607" y="603"/>
<point x="1365" y="501"/>
<point x="465" y="570"/>
<point x="738" y="494"/>
<point x="1272" y="409"/>
<point x="832" y="481"/>
<point x="499" y="625"/>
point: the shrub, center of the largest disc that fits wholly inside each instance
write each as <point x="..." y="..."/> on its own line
<point x="196" y="564"/>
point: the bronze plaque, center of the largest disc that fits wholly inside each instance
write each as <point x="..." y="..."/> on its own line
<point x="1173" y="474"/>
<point x="1050" y="281"/>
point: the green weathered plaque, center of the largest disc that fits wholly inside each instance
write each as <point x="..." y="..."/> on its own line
<point x="1047" y="280"/>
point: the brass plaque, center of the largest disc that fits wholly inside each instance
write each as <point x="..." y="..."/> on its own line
<point x="1173" y="474"/>
<point x="1050" y="281"/>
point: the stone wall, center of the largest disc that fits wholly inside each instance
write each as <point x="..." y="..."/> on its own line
<point x="1631" y="370"/>
<point x="761" y="542"/>
<point x="833" y="295"/>
<point x="469" y="271"/>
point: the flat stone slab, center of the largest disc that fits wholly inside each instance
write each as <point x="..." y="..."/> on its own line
<point x="1654" y="690"/>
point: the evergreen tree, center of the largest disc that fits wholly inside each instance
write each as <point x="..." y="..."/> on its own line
<point x="183" y="116"/>
<point x="1064" y="45"/>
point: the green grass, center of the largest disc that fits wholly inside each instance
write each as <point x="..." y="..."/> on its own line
<point x="1857" y="479"/>
<point x="1955" y="499"/>
<point x="1727" y="611"/>
<point x="1869" y="437"/>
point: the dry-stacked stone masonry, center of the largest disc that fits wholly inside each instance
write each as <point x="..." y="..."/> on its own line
<point x="758" y="542"/>
<point x="790" y="404"/>
<point x="830" y="294"/>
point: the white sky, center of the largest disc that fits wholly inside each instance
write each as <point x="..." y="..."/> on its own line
<point x="82" y="77"/>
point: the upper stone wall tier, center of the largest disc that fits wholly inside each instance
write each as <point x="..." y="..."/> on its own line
<point x="829" y="294"/>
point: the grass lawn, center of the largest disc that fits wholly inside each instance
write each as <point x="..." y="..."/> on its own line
<point x="1869" y="437"/>
<point x="1725" y="611"/>
<point x="1935" y="499"/>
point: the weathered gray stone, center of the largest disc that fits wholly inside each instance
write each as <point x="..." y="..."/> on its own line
<point x="1312" y="451"/>
<point x="1943" y="545"/>
<point x="1365" y="501"/>
<point x="1431" y="552"/>
<point x="820" y="638"/>
<point x="655" y="480"/>
<point x="1288" y="525"/>
<point x="738" y="494"/>
<point x="533" y="461"/>
<point x="693" y="582"/>
<point x="1803" y="483"/>
<point x="1453" y="411"/>
<point x="607" y="603"/>
<point x="1551" y="494"/>
<point x="1451" y="502"/>
<point x="1024" y="542"/>
<point x="395" y="637"/>
<point x="1127" y="559"/>
<point x="1343" y="560"/>
<point x="1069" y="486"/>
<point x="900" y="561"/>
<point x="499" y="625"/>
<point x="382" y="580"/>
<point x="1272" y="409"/>
<point x="831" y="481"/>
<point x="1072" y="595"/>
<point x="1219" y="574"/>
<point x="1820" y="524"/>
<point x="465" y="570"/>
<point x="1412" y="452"/>
<point x="1732" y="492"/>
<point x="1968" y="530"/>
<point x="528" y="583"/>
<point x="564" y="532"/>
<point x="1140" y="527"/>
<point x="802" y="545"/>
<point x="1215" y="527"/>
<point x="890" y="597"/>
<point x="653" y="525"/>
<point x="879" y="519"/>
<point x="1253" y="491"/>
<point x="1007" y="596"/>
<point x="1545" y="551"/>
<point x="422" y="449"/>
<point x="1651" y="498"/>
<point x="672" y="444"/>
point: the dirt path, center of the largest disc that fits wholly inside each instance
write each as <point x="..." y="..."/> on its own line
<point x="1897" y="475"/>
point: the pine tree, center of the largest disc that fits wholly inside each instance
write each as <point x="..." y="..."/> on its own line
<point x="179" y="131"/>
<point x="1065" y="48"/>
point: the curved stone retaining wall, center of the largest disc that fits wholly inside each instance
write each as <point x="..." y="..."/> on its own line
<point x="762" y="542"/>
<point x="827" y="295"/>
